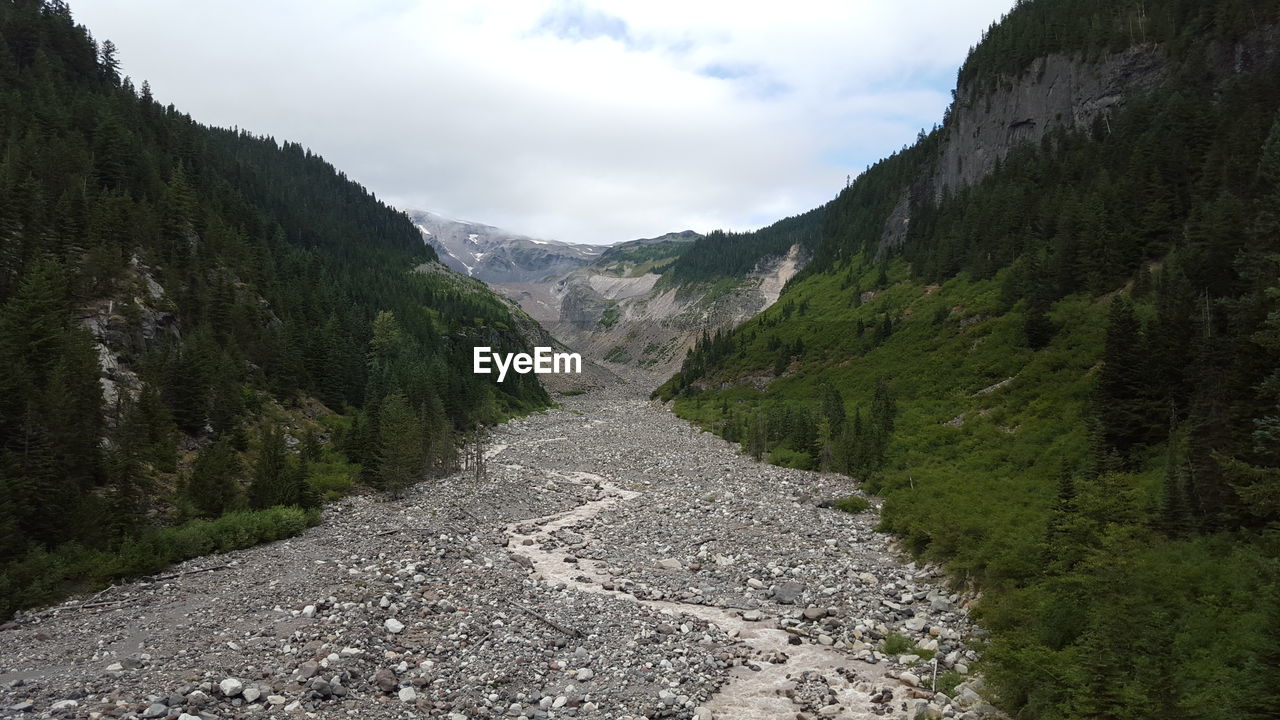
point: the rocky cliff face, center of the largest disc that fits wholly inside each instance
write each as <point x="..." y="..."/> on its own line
<point x="1057" y="91"/>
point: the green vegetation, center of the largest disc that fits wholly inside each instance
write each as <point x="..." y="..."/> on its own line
<point x="236" y="276"/>
<point x="1066" y="381"/>
<point x="44" y="576"/>
<point x="895" y="644"/>
<point x="733" y="255"/>
<point x="852" y="504"/>
<point x="610" y="316"/>
<point x="636" y="259"/>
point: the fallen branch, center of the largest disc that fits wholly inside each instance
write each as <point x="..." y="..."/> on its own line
<point x="89" y="604"/>
<point x="548" y="622"/>
<point x="188" y="572"/>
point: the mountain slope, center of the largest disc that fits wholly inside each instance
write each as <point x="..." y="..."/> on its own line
<point x="1045" y="333"/>
<point x="496" y="256"/>
<point x="199" y="325"/>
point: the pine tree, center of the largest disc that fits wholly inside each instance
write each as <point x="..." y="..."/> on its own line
<point x="400" y="456"/>
<point x="1123" y="405"/>
<point x="271" y="485"/>
<point x="211" y="488"/>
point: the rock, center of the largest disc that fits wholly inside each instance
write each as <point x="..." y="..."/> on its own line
<point x="231" y="687"/>
<point x="251" y="694"/>
<point x="826" y="640"/>
<point x="670" y="564"/>
<point x="24" y="706"/>
<point x="185" y="716"/>
<point x="309" y="611"/>
<point x="308" y="670"/>
<point x="753" y="615"/>
<point x="927" y="712"/>
<point x="915" y="624"/>
<point x="788" y="592"/>
<point x="408" y="694"/>
<point x="584" y="674"/>
<point x="63" y="705"/>
<point x="115" y="667"/>
<point x="752" y="582"/>
<point x="276" y="700"/>
<point x="385" y="679"/>
<point x="702" y="713"/>
<point x="829" y="710"/>
<point x="814" y="613"/>
<point x="156" y="710"/>
<point x="910" y="678"/>
<point x="393" y="626"/>
<point x="966" y="698"/>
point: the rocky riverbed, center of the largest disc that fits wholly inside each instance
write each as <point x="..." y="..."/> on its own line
<point x="614" y="563"/>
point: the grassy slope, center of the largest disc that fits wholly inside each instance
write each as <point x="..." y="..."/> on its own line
<point x="1013" y="440"/>
<point x="979" y="495"/>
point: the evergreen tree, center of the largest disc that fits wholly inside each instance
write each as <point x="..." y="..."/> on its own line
<point x="1123" y="405"/>
<point x="400" y="457"/>
<point x="211" y="488"/>
<point x="271" y="484"/>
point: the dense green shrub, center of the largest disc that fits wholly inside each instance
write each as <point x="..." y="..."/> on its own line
<point x="45" y="576"/>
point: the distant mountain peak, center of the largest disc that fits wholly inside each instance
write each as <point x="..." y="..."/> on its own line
<point x="495" y="255"/>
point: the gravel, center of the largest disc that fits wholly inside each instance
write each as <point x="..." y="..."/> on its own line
<point x="613" y="563"/>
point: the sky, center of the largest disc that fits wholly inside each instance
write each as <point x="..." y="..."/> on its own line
<point x="592" y="121"/>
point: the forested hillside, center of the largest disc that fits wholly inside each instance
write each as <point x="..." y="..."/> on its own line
<point x="722" y="254"/>
<point x="201" y="330"/>
<point x="1065" y="378"/>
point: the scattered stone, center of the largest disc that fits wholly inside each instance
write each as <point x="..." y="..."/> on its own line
<point x="514" y="589"/>
<point x="788" y="592"/>
<point x="231" y="687"/>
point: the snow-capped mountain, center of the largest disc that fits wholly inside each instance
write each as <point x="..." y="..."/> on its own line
<point x="497" y="256"/>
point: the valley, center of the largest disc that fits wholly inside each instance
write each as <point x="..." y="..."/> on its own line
<point x="614" y="562"/>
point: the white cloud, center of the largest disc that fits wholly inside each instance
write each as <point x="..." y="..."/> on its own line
<point x="584" y="121"/>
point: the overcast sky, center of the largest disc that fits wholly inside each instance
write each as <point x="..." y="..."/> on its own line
<point x="594" y="121"/>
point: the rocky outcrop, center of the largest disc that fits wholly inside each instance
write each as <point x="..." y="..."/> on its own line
<point x="639" y="321"/>
<point x="1055" y="92"/>
<point x="122" y="325"/>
